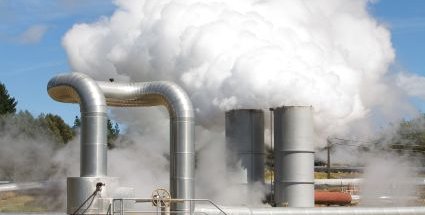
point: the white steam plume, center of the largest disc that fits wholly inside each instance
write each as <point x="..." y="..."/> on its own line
<point x="30" y="153"/>
<point x="389" y="180"/>
<point x="331" y="54"/>
<point x="246" y="54"/>
<point x="23" y="143"/>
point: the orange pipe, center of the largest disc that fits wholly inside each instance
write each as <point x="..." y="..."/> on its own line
<point x="331" y="198"/>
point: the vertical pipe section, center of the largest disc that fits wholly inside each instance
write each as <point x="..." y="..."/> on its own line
<point x="294" y="156"/>
<point x="245" y="142"/>
<point x="182" y="161"/>
<point x="80" y="88"/>
<point x="328" y="163"/>
<point x="182" y="146"/>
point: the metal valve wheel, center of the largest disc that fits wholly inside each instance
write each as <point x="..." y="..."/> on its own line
<point x="161" y="198"/>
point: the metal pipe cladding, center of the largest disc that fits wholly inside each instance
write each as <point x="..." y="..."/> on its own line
<point x="182" y="149"/>
<point x="80" y="88"/>
<point x="294" y="156"/>
<point x="201" y="209"/>
<point x="245" y="142"/>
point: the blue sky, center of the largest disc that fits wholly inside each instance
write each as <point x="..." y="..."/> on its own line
<point x="30" y="48"/>
<point x="31" y="53"/>
<point x="406" y="20"/>
<point x="407" y="24"/>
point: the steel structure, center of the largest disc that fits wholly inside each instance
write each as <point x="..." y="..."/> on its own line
<point x="294" y="156"/>
<point x="79" y="88"/>
<point x="182" y="147"/>
<point x="293" y="150"/>
<point x="245" y="142"/>
<point x="312" y="211"/>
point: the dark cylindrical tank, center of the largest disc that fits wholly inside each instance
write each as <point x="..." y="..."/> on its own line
<point x="294" y="156"/>
<point x="245" y="142"/>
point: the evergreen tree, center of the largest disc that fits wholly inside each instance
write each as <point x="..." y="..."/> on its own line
<point x="412" y="131"/>
<point x="77" y="122"/>
<point x="113" y="133"/>
<point x="59" y="128"/>
<point x="7" y="103"/>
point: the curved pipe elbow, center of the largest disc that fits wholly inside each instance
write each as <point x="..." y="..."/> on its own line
<point x="77" y="88"/>
<point x="182" y="155"/>
<point x="149" y="94"/>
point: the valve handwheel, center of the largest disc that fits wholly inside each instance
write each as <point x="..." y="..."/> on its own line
<point x="161" y="198"/>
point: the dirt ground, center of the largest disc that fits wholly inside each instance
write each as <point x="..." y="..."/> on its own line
<point x="19" y="202"/>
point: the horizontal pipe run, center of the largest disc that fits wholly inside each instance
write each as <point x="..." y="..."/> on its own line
<point x="359" y="181"/>
<point x="356" y="169"/>
<point x="332" y="198"/>
<point x="339" y="169"/>
<point x="203" y="209"/>
<point x="27" y="186"/>
<point x="338" y="182"/>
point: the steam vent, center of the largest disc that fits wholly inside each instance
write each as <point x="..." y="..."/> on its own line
<point x="294" y="156"/>
<point x="245" y="143"/>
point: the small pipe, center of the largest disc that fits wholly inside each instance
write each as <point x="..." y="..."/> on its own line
<point x="359" y="181"/>
<point x="272" y="171"/>
<point x="27" y="186"/>
<point x="328" y="163"/>
<point x="338" y="182"/>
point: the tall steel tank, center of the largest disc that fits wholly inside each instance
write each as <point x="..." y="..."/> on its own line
<point x="245" y="142"/>
<point x="294" y="156"/>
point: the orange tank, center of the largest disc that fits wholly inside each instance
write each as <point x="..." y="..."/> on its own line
<point x="331" y="198"/>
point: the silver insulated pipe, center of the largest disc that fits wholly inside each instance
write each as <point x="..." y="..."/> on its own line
<point x="80" y="88"/>
<point x="175" y="99"/>
<point x="312" y="211"/>
<point x="294" y="156"/>
<point x="245" y="142"/>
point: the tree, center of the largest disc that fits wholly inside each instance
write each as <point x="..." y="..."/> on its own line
<point x="113" y="133"/>
<point x="412" y="131"/>
<point x="77" y="122"/>
<point x="407" y="140"/>
<point x="7" y="103"/>
<point x="59" y="128"/>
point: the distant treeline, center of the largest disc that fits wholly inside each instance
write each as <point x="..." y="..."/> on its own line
<point x="49" y="125"/>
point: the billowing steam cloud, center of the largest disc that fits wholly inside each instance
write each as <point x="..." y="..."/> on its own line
<point x="331" y="54"/>
<point x="246" y="54"/>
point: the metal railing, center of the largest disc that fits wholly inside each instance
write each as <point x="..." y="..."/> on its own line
<point x="162" y="206"/>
